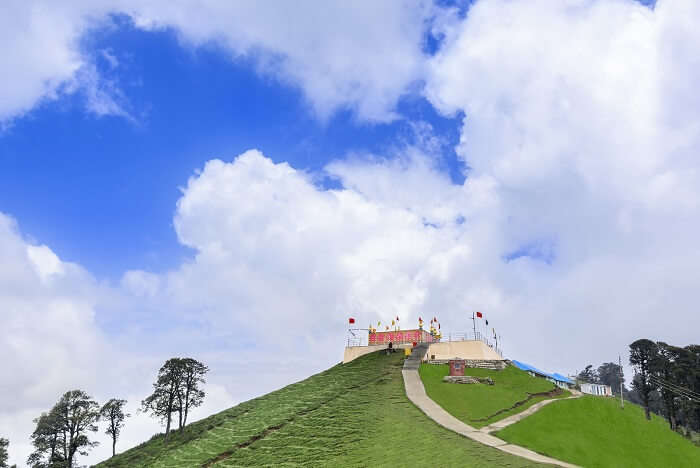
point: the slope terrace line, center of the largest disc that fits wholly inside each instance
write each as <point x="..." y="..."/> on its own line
<point x="268" y="430"/>
<point x="498" y="425"/>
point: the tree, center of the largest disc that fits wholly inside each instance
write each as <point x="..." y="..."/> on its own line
<point x="610" y="374"/>
<point x="4" y="443"/>
<point x="666" y="375"/>
<point x="163" y="402"/>
<point x="113" y="413"/>
<point x="64" y="431"/>
<point x="79" y="416"/>
<point x="177" y="389"/>
<point x="4" y="455"/>
<point x="190" y="394"/>
<point x="642" y="354"/>
<point x="48" y="440"/>
<point x="588" y="374"/>
<point x="693" y="379"/>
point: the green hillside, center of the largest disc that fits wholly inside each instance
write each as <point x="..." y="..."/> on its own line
<point x="350" y="415"/>
<point x="480" y="405"/>
<point x="596" y="432"/>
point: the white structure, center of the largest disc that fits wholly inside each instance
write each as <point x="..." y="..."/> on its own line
<point x="596" y="389"/>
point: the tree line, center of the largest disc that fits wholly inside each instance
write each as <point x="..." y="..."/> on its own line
<point x="667" y="382"/>
<point x="4" y="443"/>
<point x="607" y="373"/>
<point x="65" y="431"/>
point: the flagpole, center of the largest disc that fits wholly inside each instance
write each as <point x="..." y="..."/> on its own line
<point x="474" y="324"/>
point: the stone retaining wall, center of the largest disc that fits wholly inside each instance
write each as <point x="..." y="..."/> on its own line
<point x="475" y="363"/>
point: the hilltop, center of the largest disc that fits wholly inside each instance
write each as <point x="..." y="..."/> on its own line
<point x="355" y="414"/>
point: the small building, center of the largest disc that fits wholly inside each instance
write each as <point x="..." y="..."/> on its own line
<point x="562" y="381"/>
<point x="557" y="379"/>
<point x="457" y="366"/>
<point x="596" y="389"/>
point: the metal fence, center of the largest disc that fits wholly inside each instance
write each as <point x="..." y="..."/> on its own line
<point x="487" y="340"/>
<point x="357" y="341"/>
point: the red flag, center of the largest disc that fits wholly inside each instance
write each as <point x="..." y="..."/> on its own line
<point x="479" y="314"/>
<point x="351" y="320"/>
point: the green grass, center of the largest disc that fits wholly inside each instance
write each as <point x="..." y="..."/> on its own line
<point x="477" y="405"/>
<point x="596" y="432"/>
<point x="350" y="415"/>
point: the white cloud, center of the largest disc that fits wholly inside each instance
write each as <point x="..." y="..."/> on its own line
<point x="262" y="229"/>
<point x="141" y="283"/>
<point x="44" y="261"/>
<point x="581" y="133"/>
<point x="582" y="117"/>
<point x="49" y="338"/>
<point x="360" y="56"/>
<point x="56" y="337"/>
<point x="41" y="56"/>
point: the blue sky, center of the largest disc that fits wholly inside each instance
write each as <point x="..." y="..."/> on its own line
<point x="101" y="190"/>
<point x="561" y="200"/>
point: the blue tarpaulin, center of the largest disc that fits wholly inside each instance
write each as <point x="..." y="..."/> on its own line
<point x="555" y="376"/>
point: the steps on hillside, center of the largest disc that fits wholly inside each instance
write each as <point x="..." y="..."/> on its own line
<point x="413" y="361"/>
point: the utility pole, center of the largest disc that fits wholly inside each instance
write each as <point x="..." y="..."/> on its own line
<point x="622" y="400"/>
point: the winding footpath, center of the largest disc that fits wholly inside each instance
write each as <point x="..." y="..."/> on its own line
<point x="415" y="391"/>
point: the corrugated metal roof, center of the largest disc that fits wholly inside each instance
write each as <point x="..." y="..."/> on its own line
<point x="562" y="378"/>
<point x="555" y="376"/>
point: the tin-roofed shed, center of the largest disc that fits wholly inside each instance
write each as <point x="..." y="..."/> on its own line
<point x="557" y="379"/>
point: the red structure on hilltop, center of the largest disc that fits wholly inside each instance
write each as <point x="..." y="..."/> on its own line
<point x="401" y="336"/>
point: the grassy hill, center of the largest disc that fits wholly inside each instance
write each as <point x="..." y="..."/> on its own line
<point x="481" y="405"/>
<point x="595" y="432"/>
<point x="350" y="415"/>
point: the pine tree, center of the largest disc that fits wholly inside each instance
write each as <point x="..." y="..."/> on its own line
<point x="642" y="355"/>
<point x="113" y="413"/>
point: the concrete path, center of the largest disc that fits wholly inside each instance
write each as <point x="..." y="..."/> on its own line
<point x="415" y="391"/>
<point x="505" y="422"/>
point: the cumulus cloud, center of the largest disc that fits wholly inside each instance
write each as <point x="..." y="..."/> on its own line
<point x="262" y="229"/>
<point x="581" y="116"/>
<point x="574" y="231"/>
<point x="360" y="56"/>
<point x="42" y="58"/>
<point x="53" y="340"/>
<point x="576" y="220"/>
<point x="39" y="54"/>
<point x="49" y="338"/>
